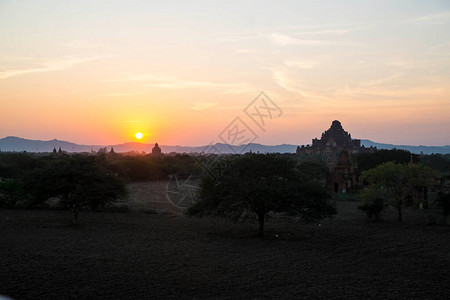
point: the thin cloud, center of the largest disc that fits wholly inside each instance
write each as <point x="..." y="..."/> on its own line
<point x="50" y="65"/>
<point x="381" y="81"/>
<point x="304" y="64"/>
<point x="285" y="40"/>
<point x="255" y="51"/>
<point x="17" y="58"/>
<point x="119" y="94"/>
<point x="236" y="37"/>
<point x="440" y="49"/>
<point x="81" y="44"/>
<point x="432" y="18"/>
<point x="400" y="92"/>
<point x="294" y="86"/>
<point x="203" y="105"/>
<point x="326" y="31"/>
<point x="294" y="30"/>
<point x="174" y="83"/>
<point x="134" y="121"/>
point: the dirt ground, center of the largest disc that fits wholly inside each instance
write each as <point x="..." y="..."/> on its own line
<point x="141" y="255"/>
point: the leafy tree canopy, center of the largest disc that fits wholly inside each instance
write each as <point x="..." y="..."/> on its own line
<point x="367" y="161"/>
<point x="76" y="180"/>
<point x="256" y="184"/>
<point x="399" y="180"/>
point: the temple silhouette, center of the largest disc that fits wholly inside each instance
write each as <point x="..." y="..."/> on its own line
<point x="335" y="147"/>
<point x="156" y="151"/>
<point x="332" y="143"/>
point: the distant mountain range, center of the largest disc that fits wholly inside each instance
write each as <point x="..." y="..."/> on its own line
<point x="19" y="144"/>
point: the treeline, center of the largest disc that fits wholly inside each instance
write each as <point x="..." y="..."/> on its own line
<point x="367" y="161"/>
<point x="128" y="168"/>
<point x="28" y="180"/>
<point x="148" y="167"/>
<point x="231" y="184"/>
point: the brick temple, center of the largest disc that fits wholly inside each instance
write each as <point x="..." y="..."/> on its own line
<point x="331" y="144"/>
<point x="335" y="147"/>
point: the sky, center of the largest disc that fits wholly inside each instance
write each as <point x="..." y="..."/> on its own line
<point x="186" y="72"/>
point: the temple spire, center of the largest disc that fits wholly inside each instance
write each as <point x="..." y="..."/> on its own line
<point x="156" y="151"/>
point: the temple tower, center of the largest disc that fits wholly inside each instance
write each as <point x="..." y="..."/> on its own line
<point x="156" y="150"/>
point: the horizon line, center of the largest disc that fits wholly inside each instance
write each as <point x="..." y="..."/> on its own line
<point x="205" y="145"/>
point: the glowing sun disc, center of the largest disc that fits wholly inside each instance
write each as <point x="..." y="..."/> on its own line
<point x="139" y="135"/>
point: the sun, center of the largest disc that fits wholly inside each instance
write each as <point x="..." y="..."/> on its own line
<point x="139" y="135"/>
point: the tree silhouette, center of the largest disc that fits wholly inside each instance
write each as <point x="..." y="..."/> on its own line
<point x="400" y="180"/>
<point x="77" y="181"/>
<point x="261" y="183"/>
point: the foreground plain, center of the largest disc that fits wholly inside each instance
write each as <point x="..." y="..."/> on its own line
<point x="151" y="256"/>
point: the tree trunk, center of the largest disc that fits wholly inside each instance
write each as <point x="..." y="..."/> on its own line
<point x="75" y="210"/>
<point x="399" y="208"/>
<point x="261" y="224"/>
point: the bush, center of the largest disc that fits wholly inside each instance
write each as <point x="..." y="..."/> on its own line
<point x="443" y="201"/>
<point x="373" y="208"/>
<point x="9" y="193"/>
<point x="76" y="180"/>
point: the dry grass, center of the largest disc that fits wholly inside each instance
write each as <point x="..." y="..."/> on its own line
<point x="139" y="255"/>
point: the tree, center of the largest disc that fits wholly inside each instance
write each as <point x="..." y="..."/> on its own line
<point x="367" y="161"/>
<point x="374" y="202"/>
<point x="399" y="180"/>
<point x="77" y="181"/>
<point x="9" y="193"/>
<point x="258" y="184"/>
<point x="443" y="201"/>
<point x="439" y="162"/>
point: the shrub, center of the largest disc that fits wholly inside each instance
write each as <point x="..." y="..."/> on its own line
<point x="9" y="193"/>
<point x="373" y="208"/>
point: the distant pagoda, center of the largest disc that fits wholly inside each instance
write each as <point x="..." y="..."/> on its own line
<point x="156" y="151"/>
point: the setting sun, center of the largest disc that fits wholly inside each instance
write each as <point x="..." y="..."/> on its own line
<point x="139" y="135"/>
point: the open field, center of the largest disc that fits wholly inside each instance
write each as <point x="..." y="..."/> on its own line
<point x="142" y="255"/>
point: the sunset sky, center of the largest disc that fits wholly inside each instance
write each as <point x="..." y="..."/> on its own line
<point x="97" y="72"/>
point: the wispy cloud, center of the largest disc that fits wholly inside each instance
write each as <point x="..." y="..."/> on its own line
<point x="203" y="105"/>
<point x="395" y="86"/>
<point x="391" y="93"/>
<point x="445" y="16"/>
<point x="308" y="30"/>
<point x="119" y="94"/>
<point x="257" y="51"/>
<point x="49" y="65"/>
<point x="236" y="37"/>
<point x="302" y="64"/>
<point x="380" y="81"/>
<point x="175" y="83"/>
<point x="133" y="121"/>
<point x="440" y="49"/>
<point x="285" y="40"/>
<point x="16" y="58"/>
<point x="290" y="85"/>
<point x="325" y="32"/>
<point x="81" y="44"/>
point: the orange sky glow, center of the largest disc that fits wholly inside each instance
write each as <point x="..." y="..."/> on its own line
<point x="180" y="71"/>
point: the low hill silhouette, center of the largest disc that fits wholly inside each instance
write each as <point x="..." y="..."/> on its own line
<point x="11" y="144"/>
